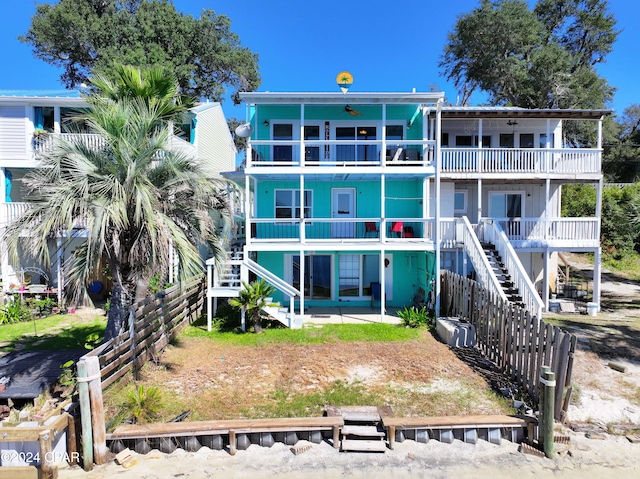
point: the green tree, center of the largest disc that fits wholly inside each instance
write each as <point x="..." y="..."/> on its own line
<point x="90" y="36"/>
<point x="253" y="297"/>
<point x="541" y="58"/>
<point x="621" y="157"/>
<point x="134" y="196"/>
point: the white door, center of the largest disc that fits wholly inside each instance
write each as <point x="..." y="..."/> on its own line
<point x="343" y="205"/>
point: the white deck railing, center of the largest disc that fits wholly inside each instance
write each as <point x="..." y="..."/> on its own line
<point x="521" y="160"/>
<point x="45" y="144"/>
<point x="391" y="153"/>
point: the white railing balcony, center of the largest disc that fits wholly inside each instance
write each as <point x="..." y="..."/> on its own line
<point x="367" y="153"/>
<point x="46" y="143"/>
<point x="9" y="212"/>
<point x="532" y="232"/>
<point x="521" y="160"/>
<point x="343" y="230"/>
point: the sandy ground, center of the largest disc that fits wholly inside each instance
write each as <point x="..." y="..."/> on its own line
<point x="614" y="456"/>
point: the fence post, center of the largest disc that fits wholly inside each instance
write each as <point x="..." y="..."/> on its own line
<point x="100" y="451"/>
<point x="547" y="405"/>
<point x="47" y="468"/>
<point x="85" y="416"/>
<point x="132" y="338"/>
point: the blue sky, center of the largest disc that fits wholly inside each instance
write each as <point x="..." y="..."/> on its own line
<point x="386" y="45"/>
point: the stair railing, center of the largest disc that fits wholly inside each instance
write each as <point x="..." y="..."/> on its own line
<point x="472" y="247"/>
<point x="495" y="235"/>
<point x="278" y="283"/>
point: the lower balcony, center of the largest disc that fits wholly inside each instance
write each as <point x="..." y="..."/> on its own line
<point x="522" y="232"/>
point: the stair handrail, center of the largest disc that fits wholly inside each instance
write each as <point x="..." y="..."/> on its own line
<point x="271" y="278"/>
<point x="479" y="260"/>
<point x="495" y="234"/>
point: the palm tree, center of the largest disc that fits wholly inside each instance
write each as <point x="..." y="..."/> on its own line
<point x="134" y="198"/>
<point x="253" y="297"/>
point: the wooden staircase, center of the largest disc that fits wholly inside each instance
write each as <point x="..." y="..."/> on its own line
<point x="498" y="267"/>
<point x="363" y="430"/>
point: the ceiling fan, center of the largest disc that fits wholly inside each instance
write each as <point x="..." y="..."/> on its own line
<point x="351" y="111"/>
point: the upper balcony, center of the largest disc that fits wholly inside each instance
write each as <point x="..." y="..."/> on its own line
<point x="46" y="143"/>
<point x="561" y="162"/>
<point x="341" y="153"/>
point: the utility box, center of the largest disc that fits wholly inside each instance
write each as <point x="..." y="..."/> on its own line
<point x="456" y="333"/>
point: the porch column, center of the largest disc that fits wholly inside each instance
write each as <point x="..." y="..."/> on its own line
<point x="479" y="199"/>
<point x="247" y="210"/>
<point x="546" y="208"/>
<point x="547" y="155"/>
<point x="383" y="149"/>
<point x="302" y="155"/>
<point x="59" y="263"/>
<point x="436" y="232"/>
<point x="383" y="286"/>
<point x="545" y="279"/>
<point x="383" y="214"/>
<point x="425" y="205"/>
<point x="301" y="230"/>
<point x="597" y="270"/>
<point x="302" y="280"/>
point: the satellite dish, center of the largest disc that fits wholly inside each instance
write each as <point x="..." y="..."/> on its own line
<point x="244" y="130"/>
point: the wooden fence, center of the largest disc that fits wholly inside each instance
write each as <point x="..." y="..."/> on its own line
<point x="156" y="320"/>
<point x="152" y="324"/>
<point x="518" y="343"/>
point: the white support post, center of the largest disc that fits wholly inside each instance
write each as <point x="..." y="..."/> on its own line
<point x="59" y="264"/>
<point x="438" y="205"/>
<point x="302" y="274"/>
<point x="383" y="286"/>
<point x="383" y="150"/>
<point x="301" y="229"/>
<point x="597" y="271"/>
<point x="302" y="150"/>
<point x="479" y="199"/>
<point x="243" y="323"/>
<point x="247" y="210"/>
<point x="383" y="214"/>
<point x="209" y="283"/>
<point x="545" y="280"/>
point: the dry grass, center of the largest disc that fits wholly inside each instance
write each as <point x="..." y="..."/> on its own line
<point x="218" y="381"/>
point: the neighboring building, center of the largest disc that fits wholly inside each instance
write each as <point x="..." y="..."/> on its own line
<point x="367" y="196"/>
<point x="31" y="122"/>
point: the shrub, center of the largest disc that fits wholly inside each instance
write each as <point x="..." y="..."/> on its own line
<point x="14" y="312"/>
<point x="143" y="404"/>
<point x="413" y="317"/>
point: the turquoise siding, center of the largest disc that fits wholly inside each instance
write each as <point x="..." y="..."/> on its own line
<point x="404" y="198"/>
<point x="411" y="270"/>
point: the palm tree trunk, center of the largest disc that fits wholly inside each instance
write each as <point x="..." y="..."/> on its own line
<point x="118" y="313"/>
<point x="257" y="324"/>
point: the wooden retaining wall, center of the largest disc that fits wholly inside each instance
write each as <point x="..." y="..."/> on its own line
<point x="518" y="343"/>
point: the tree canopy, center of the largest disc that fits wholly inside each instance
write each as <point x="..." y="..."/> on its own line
<point x="540" y="58"/>
<point x="91" y="36"/>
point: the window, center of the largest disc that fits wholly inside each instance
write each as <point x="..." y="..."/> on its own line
<point x="43" y="118"/>
<point x="444" y="139"/>
<point x="506" y="205"/>
<point x="317" y="276"/>
<point x="506" y="140"/>
<point x="282" y="131"/>
<point x="394" y="132"/>
<point x="356" y="272"/>
<point x="464" y="140"/>
<point x="361" y="152"/>
<point x="288" y="203"/>
<point x="460" y="201"/>
<point x="526" y="140"/>
<point x="543" y="140"/>
<point x="312" y="152"/>
<point x="472" y="141"/>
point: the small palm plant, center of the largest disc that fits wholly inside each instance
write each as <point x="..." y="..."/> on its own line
<point x="253" y="297"/>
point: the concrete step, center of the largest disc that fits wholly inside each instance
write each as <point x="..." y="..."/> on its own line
<point x="360" y="416"/>
<point x="362" y="431"/>
<point x="364" y="446"/>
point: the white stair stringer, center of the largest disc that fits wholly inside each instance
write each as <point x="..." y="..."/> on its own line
<point x="225" y="281"/>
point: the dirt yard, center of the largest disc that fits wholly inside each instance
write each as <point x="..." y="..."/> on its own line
<point x="418" y="377"/>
